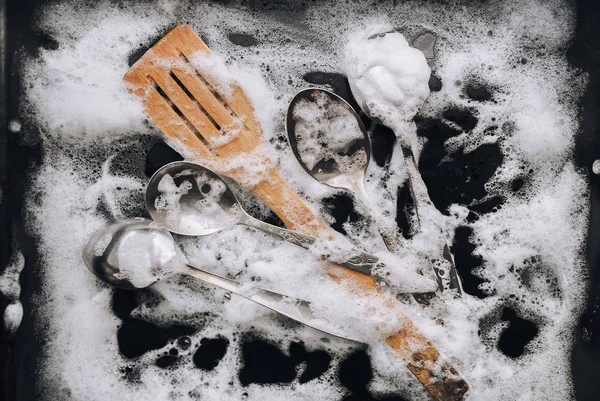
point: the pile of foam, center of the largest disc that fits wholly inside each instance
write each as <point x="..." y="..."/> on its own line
<point x="389" y="79"/>
<point x="204" y="214"/>
<point x="143" y="257"/>
<point x="76" y="97"/>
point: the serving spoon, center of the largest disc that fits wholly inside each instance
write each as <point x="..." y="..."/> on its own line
<point x="189" y="199"/>
<point x="327" y="170"/>
<point x="137" y="253"/>
<point x="423" y="204"/>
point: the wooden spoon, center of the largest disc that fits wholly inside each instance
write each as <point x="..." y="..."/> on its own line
<point x="220" y="131"/>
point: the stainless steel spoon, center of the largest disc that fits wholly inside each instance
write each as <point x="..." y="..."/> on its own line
<point x="420" y="194"/>
<point x="137" y="253"/>
<point x="316" y="143"/>
<point x="190" y="199"/>
<point x="342" y="164"/>
<point x="327" y="169"/>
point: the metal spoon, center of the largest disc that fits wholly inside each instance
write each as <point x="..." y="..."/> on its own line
<point x="137" y="253"/>
<point x="327" y="169"/>
<point x="341" y="164"/>
<point x="420" y="194"/>
<point x="190" y="199"/>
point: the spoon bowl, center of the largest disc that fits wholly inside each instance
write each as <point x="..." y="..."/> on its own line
<point x="329" y="139"/>
<point x="132" y="254"/>
<point x="189" y="199"/>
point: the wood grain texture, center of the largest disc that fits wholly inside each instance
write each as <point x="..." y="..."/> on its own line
<point x="221" y="132"/>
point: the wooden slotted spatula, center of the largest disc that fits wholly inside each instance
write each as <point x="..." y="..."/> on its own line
<point x="219" y="130"/>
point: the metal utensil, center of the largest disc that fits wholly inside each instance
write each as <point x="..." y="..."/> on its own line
<point x="423" y="204"/>
<point x="342" y="164"/>
<point x="339" y="165"/>
<point x="190" y="199"/>
<point x="327" y="169"/>
<point x="137" y="253"/>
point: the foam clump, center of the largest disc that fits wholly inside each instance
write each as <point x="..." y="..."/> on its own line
<point x="389" y="79"/>
<point x="143" y="257"/>
<point x="11" y="290"/>
<point x="202" y="213"/>
<point x="324" y="128"/>
<point x="14" y="126"/>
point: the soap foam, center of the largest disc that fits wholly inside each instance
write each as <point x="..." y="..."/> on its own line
<point x="76" y="97"/>
<point x="11" y="290"/>
<point x="389" y="79"/>
<point x="203" y="215"/>
<point x="143" y="257"/>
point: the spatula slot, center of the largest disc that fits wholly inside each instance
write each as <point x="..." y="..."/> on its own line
<point x="239" y="120"/>
<point x="183" y="118"/>
<point x="193" y="99"/>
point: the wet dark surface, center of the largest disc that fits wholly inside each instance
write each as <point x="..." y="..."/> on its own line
<point x="460" y="179"/>
<point x="242" y="39"/>
<point x="585" y="54"/>
<point x="435" y="84"/>
<point x="341" y="208"/>
<point x="136" y="337"/>
<point x="464" y="118"/>
<point x="519" y="333"/>
<point x="210" y="352"/>
<point x="478" y="92"/>
<point x="466" y="262"/>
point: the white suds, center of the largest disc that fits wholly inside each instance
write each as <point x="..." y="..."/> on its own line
<point x="143" y="257"/>
<point x="11" y="289"/>
<point x="204" y="214"/>
<point x="389" y="79"/>
<point x="95" y="139"/>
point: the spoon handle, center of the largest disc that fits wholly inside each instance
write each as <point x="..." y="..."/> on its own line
<point x="297" y="238"/>
<point x="348" y="257"/>
<point x="292" y="308"/>
<point x="422" y="202"/>
<point x="359" y="261"/>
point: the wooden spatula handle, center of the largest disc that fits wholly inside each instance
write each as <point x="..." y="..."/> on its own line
<point x="286" y="204"/>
